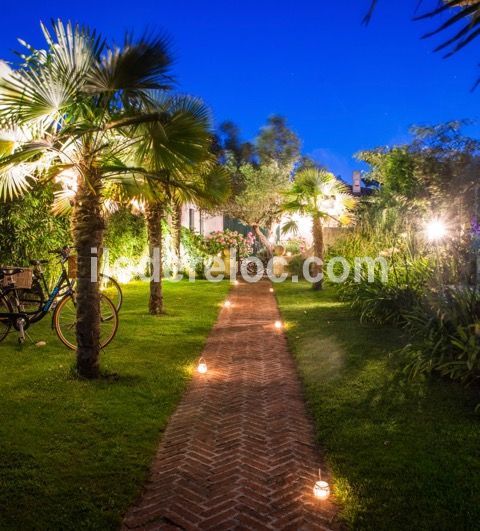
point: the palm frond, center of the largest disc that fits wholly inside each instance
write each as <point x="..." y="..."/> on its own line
<point x="137" y="66"/>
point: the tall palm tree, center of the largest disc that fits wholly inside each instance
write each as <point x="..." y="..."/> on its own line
<point x="192" y="174"/>
<point x="83" y="106"/>
<point x="320" y="195"/>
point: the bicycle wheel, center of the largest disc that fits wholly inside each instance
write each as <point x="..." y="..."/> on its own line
<point x="65" y="321"/>
<point x="5" y="324"/>
<point x="111" y="289"/>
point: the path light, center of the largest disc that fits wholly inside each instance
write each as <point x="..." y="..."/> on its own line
<point x="271" y="290"/>
<point x="202" y="366"/>
<point x="321" y="489"/>
<point x="236" y="282"/>
<point x="227" y="304"/>
<point x="435" y="230"/>
<point x="278" y="325"/>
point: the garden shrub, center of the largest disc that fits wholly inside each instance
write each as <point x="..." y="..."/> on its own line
<point x="28" y="229"/>
<point x="446" y="327"/>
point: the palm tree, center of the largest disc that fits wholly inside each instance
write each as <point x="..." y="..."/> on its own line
<point x="466" y="11"/>
<point x="320" y="195"/>
<point x="83" y="106"/>
<point x="192" y="174"/>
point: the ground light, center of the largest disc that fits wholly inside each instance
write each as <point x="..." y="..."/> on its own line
<point x="278" y="325"/>
<point x="271" y="290"/>
<point x="227" y="304"/>
<point x="435" y="230"/>
<point x="202" y="366"/>
<point x="236" y="282"/>
<point x="321" y="489"/>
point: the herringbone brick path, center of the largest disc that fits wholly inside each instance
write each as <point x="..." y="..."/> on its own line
<point x="239" y="451"/>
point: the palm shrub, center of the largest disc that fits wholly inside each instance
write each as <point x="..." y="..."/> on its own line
<point x="319" y="195"/>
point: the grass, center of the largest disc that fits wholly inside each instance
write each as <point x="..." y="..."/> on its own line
<point x="74" y="454"/>
<point x="405" y="455"/>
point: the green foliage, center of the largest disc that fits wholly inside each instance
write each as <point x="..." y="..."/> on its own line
<point x="277" y="143"/>
<point x="446" y="328"/>
<point x="258" y="194"/>
<point x="195" y="252"/>
<point x="126" y="236"/>
<point x="28" y="229"/>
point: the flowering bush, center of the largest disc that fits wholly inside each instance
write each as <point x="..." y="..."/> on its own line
<point x="220" y="241"/>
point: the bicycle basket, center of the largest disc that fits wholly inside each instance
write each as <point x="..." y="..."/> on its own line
<point x="72" y="266"/>
<point x="22" y="280"/>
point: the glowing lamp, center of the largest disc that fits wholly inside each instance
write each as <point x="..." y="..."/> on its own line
<point x="236" y="282"/>
<point x="321" y="489"/>
<point x="202" y="366"/>
<point x="227" y="304"/>
<point x="271" y="290"/>
<point x="435" y="230"/>
<point x="278" y="325"/>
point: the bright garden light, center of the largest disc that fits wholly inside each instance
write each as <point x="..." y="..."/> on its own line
<point x="227" y="304"/>
<point x="202" y="366"/>
<point x="435" y="230"/>
<point x="321" y="489"/>
<point x="278" y="325"/>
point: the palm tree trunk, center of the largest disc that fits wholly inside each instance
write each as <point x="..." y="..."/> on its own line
<point x="263" y="239"/>
<point x="176" y="231"/>
<point x="87" y="228"/>
<point x="319" y="251"/>
<point x="154" y="214"/>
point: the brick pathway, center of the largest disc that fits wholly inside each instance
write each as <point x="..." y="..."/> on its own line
<point x="239" y="451"/>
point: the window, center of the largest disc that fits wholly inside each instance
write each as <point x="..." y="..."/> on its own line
<point x="191" y="218"/>
<point x="202" y="227"/>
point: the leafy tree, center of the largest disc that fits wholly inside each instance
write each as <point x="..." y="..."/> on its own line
<point x="277" y="143"/>
<point x="229" y="145"/>
<point x="258" y="202"/>
<point x="319" y="195"/>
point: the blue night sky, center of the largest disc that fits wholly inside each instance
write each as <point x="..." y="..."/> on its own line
<point x="343" y="86"/>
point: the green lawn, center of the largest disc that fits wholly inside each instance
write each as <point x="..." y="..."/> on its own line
<point x="74" y="454"/>
<point x="404" y="455"/>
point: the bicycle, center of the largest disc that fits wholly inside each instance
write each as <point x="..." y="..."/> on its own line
<point x="16" y="313"/>
<point x="33" y="298"/>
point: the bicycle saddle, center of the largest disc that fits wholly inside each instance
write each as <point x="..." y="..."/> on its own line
<point x="38" y="262"/>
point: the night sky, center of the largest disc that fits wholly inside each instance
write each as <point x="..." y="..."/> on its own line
<point x="343" y="86"/>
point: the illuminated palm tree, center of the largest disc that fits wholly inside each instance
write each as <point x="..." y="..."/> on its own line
<point x="178" y="164"/>
<point x="82" y="106"/>
<point x="319" y="195"/>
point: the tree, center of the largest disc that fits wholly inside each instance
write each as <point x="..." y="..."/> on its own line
<point x="467" y="12"/>
<point x="229" y="145"/>
<point x="185" y="136"/>
<point x="257" y="203"/>
<point x="81" y="105"/>
<point x="320" y="195"/>
<point x="277" y="143"/>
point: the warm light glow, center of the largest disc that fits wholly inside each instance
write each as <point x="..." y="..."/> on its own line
<point x="435" y="230"/>
<point x="278" y="325"/>
<point x="321" y="490"/>
<point x="271" y="290"/>
<point x="227" y="304"/>
<point x="202" y="366"/>
<point x="236" y="282"/>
